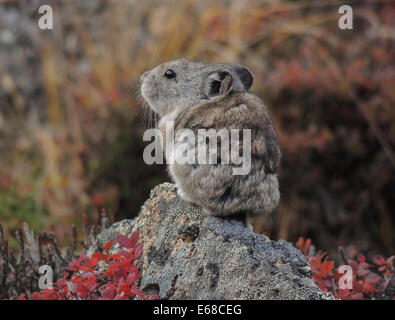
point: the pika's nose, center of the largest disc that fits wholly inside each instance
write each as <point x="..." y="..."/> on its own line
<point x="145" y="74"/>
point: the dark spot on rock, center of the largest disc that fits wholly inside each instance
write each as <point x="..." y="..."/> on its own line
<point x="199" y="272"/>
<point x="172" y="289"/>
<point x="213" y="268"/>
<point x="298" y="283"/>
<point x="151" y="288"/>
<point x="275" y="292"/>
<point x="237" y="294"/>
<point x="254" y="266"/>
<point x="159" y="256"/>
<point x="189" y="233"/>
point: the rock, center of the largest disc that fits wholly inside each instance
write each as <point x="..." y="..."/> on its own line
<point x="188" y="255"/>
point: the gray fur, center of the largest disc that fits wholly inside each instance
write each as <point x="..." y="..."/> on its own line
<point x="214" y="96"/>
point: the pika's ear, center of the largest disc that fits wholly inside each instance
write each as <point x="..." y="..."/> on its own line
<point x="243" y="78"/>
<point x="217" y="83"/>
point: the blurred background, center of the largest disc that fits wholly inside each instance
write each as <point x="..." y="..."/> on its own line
<point x="71" y="121"/>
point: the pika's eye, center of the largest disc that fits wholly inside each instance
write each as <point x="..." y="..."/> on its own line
<point x="170" y="74"/>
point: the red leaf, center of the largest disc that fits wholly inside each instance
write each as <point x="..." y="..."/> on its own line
<point x="138" y="251"/>
<point x="108" y="293"/>
<point x="61" y="281"/>
<point x="81" y="289"/>
<point x="37" y="296"/>
<point x="326" y="268"/>
<point x="49" y="294"/>
<point x="93" y="262"/>
<point x="125" y="254"/>
<point x="100" y="256"/>
<point x="132" y="277"/>
<point x="124" y="241"/>
<point x="108" y="245"/>
<point x="134" y="238"/>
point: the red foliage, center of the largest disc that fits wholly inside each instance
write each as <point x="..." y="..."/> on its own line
<point x="370" y="281"/>
<point x="102" y="276"/>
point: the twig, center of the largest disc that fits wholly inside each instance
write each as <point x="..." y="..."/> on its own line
<point x="57" y="251"/>
<point x="104" y="220"/>
<point x="19" y="238"/>
<point x="342" y="255"/>
<point x="86" y="231"/>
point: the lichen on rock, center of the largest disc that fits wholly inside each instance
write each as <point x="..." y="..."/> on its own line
<point x="189" y="255"/>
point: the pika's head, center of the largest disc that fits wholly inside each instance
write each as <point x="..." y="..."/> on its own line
<point x="183" y="84"/>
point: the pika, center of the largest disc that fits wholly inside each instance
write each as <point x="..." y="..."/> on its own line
<point x="194" y="96"/>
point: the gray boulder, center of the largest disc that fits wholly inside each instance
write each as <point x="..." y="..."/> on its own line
<point x="188" y="255"/>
